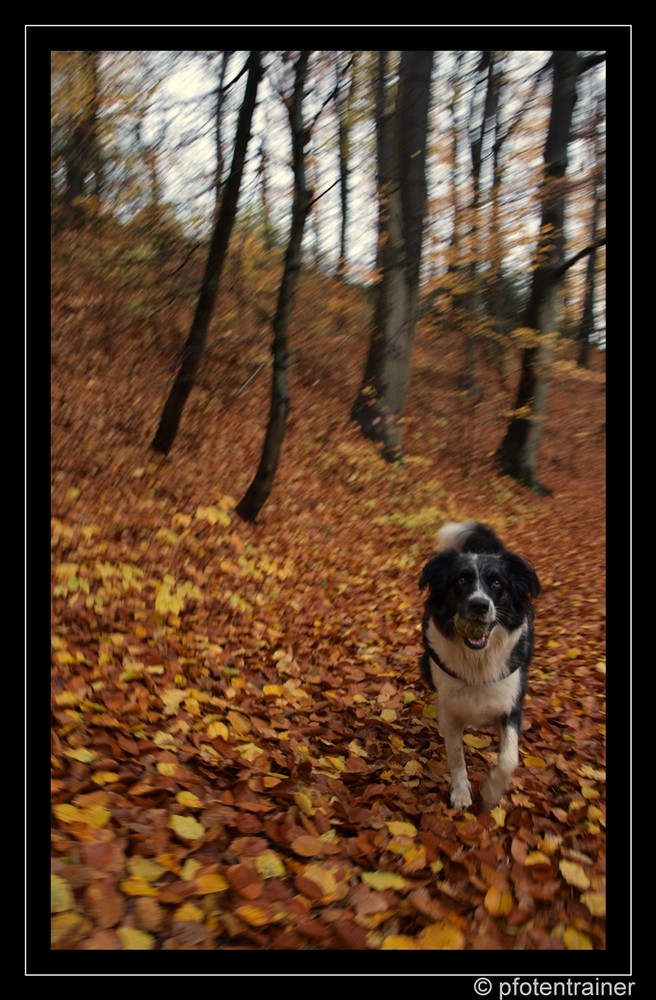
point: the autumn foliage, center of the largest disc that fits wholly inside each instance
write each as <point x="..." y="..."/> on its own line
<point x="243" y="753"/>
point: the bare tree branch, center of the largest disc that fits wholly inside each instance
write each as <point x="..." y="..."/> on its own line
<point x="565" y="266"/>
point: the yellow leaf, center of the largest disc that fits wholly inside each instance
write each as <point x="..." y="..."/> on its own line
<point x="70" y="927"/>
<point x="165" y="741"/>
<point x="383" y="880"/>
<point x="589" y="793"/>
<point x="592" y="772"/>
<point x="133" y="671"/>
<point x="213" y="515"/>
<point x="82" y="754"/>
<point x="595" y="902"/>
<point x="324" y="878"/>
<point x="478" y="742"/>
<point x="270" y="865"/>
<point x="536" y="858"/>
<point x="64" y="570"/>
<point x="498" y="902"/>
<point x="133" y="939"/>
<point x="272" y="690"/>
<point x="190" y="869"/>
<point x="442" y="936"/>
<point x="575" y="940"/>
<point x="145" y="868"/>
<point x="218" y="729"/>
<point x="61" y="895"/>
<point x="388" y="715"/>
<point x="138" y="887"/>
<point x="250" y="752"/>
<point x="188" y="912"/>
<point x="240" y="725"/>
<point x="436" y="866"/>
<point x="574" y="874"/>
<point x="66" y="699"/>
<point x="65" y="657"/>
<point x="105" y="777"/>
<point x="172" y="698"/>
<point x="398" y="942"/>
<point x="335" y="762"/>
<point x="186" y="827"/>
<point x="531" y="761"/>
<point x="400" y="829"/>
<point x="498" y="815"/>
<point x="95" y="815"/>
<point x="255" y="916"/>
<point x="304" y="803"/>
<point x="189" y="799"/>
<point x="167" y="768"/>
<point x="212" y="882"/>
<point x="66" y="813"/>
<point x="167" y="536"/>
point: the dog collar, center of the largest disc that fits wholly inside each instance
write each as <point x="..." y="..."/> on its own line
<point x="435" y="658"/>
<point x="438" y="662"/>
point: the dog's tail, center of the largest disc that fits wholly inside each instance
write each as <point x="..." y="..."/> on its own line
<point x="468" y="536"/>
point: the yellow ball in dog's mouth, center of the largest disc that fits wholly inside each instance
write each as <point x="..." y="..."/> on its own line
<point x="470" y="628"/>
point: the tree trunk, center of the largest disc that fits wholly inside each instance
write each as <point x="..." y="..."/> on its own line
<point x="218" y="135"/>
<point x="402" y="188"/>
<point x="81" y="153"/>
<point x="193" y="349"/>
<point x="586" y="328"/>
<point x="345" y="84"/>
<point x="518" y="452"/>
<point x="258" y="492"/>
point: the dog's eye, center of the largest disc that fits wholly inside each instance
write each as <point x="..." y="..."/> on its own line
<point x="460" y="581"/>
<point x="496" y="583"/>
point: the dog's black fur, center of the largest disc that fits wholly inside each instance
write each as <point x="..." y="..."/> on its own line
<point x="478" y="641"/>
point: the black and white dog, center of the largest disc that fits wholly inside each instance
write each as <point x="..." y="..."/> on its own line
<point x="478" y="640"/>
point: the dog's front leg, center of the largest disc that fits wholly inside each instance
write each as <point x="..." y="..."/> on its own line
<point x="499" y="777"/>
<point x="452" y="731"/>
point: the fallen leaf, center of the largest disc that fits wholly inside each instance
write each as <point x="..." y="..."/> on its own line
<point x="576" y="940"/>
<point x="383" y="880"/>
<point x="133" y="939"/>
<point x="498" y="902"/>
<point x="574" y="874"/>
<point x="442" y="936"/>
<point x="186" y="827"/>
<point x="61" y="895"/>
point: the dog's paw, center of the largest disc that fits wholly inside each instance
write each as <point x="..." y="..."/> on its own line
<point x="493" y="788"/>
<point x="461" y="796"/>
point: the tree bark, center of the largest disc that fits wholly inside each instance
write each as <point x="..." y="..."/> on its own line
<point x="402" y="188"/>
<point x="518" y="452"/>
<point x="345" y="85"/>
<point x="193" y="349"/>
<point x="81" y="152"/>
<point x="260" y="488"/>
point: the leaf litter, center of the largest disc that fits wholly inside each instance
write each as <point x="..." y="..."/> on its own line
<point x="243" y="753"/>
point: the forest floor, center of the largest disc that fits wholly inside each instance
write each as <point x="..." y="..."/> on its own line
<point x="244" y="755"/>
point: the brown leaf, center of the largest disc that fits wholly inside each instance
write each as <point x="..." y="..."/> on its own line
<point x="105" y="902"/>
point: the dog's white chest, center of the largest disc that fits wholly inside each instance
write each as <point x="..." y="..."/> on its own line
<point x="473" y="706"/>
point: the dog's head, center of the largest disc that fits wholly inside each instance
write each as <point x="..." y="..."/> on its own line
<point x="471" y="593"/>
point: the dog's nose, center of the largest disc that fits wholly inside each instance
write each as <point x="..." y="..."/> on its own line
<point x="479" y="606"/>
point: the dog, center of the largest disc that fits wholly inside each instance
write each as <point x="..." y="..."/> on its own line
<point x="478" y="640"/>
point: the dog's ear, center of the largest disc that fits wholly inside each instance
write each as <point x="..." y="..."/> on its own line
<point x="435" y="573"/>
<point x="522" y="575"/>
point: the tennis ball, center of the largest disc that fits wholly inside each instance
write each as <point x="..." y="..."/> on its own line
<point x="470" y="628"/>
